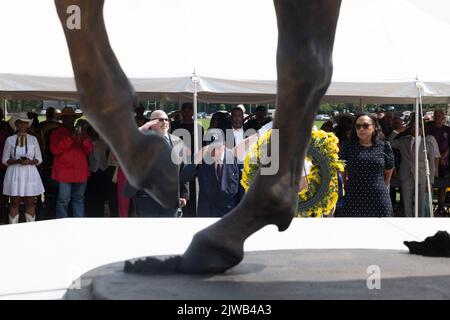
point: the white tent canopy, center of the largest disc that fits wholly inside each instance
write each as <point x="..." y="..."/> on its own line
<point x="382" y="48"/>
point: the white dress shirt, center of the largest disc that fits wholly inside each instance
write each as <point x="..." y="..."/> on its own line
<point x="238" y="136"/>
<point x="98" y="157"/>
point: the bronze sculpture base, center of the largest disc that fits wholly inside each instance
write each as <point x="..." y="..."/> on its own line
<point x="283" y="274"/>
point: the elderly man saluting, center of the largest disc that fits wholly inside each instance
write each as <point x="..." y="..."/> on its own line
<point x="70" y="147"/>
<point x="144" y="204"/>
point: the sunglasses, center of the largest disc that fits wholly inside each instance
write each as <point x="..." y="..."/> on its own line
<point x="162" y="119"/>
<point x="365" y="126"/>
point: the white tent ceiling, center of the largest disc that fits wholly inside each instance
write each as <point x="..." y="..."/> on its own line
<point x="381" y="48"/>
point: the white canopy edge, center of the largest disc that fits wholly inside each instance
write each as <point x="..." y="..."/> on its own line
<point x="30" y="87"/>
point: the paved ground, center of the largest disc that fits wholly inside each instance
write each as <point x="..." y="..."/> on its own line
<point x="286" y="274"/>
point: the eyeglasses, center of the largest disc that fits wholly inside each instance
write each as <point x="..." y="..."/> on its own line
<point x="365" y="126"/>
<point x="162" y="119"/>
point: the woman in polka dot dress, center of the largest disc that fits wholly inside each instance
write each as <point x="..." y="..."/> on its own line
<point x="368" y="170"/>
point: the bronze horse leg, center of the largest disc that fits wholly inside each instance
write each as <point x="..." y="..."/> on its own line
<point x="108" y="99"/>
<point x="304" y="64"/>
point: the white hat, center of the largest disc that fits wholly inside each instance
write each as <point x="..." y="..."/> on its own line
<point x="240" y="106"/>
<point x="70" y="112"/>
<point x="19" y="117"/>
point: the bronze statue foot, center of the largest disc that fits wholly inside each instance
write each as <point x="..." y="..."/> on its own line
<point x="152" y="265"/>
<point x="221" y="246"/>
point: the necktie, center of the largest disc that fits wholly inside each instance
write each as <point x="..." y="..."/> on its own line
<point x="219" y="171"/>
<point x="413" y="156"/>
<point x="168" y="140"/>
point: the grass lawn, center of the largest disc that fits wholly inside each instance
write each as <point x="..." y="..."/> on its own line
<point x="205" y="123"/>
<point x="318" y="124"/>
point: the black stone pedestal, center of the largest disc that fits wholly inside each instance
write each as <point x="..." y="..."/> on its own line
<point x="285" y="274"/>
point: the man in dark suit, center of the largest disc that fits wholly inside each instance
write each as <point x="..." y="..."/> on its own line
<point x="406" y="145"/>
<point x="237" y="127"/>
<point x="187" y="123"/>
<point x="145" y="205"/>
<point x="259" y="120"/>
<point x="218" y="174"/>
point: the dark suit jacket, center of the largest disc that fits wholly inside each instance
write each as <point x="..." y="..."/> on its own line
<point x="145" y="205"/>
<point x="407" y="167"/>
<point x="216" y="198"/>
<point x="255" y="125"/>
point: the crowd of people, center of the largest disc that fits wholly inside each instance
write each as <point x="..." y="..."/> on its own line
<point x="62" y="167"/>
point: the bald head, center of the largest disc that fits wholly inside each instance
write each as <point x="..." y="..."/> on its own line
<point x="157" y="114"/>
<point x="161" y="120"/>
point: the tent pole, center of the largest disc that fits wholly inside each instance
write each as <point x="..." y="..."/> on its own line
<point x="416" y="169"/>
<point x="419" y="103"/>
<point x="195" y="79"/>
<point x="5" y="108"/>
<point x="427" y="165"/>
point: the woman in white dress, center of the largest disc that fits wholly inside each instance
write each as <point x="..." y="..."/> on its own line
<point x="22" y="180"/>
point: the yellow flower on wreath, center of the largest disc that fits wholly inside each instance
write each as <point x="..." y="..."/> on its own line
<point x="327" y="144"/>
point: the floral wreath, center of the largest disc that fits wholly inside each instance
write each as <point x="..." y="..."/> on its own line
<point x="320" y="197"/>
